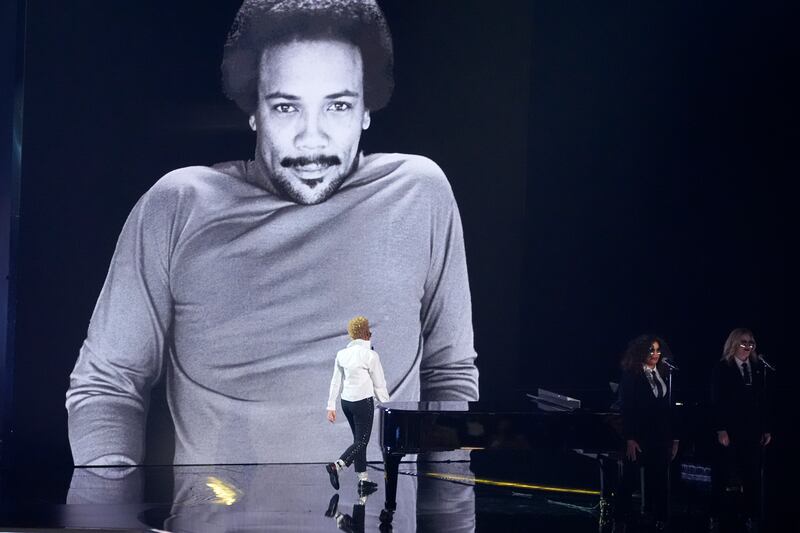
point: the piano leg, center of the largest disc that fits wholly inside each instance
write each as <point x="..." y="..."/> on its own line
<point x="609" y="479"/>
<point x="391" y="463"/>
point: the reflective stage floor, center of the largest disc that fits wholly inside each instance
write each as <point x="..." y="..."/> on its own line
<point x="452" y="497"/>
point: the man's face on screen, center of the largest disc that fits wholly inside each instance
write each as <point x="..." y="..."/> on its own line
<point x="310" y="116"/>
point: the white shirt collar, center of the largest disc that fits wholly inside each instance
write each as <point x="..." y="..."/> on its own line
<point x="360" y="342"/>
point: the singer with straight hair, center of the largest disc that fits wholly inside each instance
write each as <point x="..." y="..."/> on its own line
<point x="741" y="418"/>
<point x="647" y="427"/>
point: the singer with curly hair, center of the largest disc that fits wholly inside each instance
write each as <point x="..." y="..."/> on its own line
<point x="647" y="426"/>
<point x="357" y="371"/>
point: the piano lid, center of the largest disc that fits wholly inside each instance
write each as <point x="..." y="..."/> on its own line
<point x="520" y="405"/>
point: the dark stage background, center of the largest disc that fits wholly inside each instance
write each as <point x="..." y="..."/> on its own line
<point x="658" y="193"/>
<point x="619" y="167"/>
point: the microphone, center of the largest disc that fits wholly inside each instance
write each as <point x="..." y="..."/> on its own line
<point x="669" y="364"/>
<point x="766" y="364"/>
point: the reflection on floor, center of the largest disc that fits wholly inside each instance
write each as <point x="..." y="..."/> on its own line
<point x="486" y="495"/>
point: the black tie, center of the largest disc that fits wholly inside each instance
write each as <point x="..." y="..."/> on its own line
<point x="655" y="383"/>
<point x="658" y="385"/>
<point x="746" y="374"/>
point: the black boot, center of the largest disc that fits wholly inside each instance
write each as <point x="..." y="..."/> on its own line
<point x="366" y="487"/>
<point x="333" y="474"/>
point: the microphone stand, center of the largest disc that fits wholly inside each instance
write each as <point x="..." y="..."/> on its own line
<point x="670" y="368"/>
<point x="763" y="451"/>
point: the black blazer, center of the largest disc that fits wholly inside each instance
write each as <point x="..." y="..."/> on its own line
<point x="738" y="409"/>
<point x="645" y="418"/>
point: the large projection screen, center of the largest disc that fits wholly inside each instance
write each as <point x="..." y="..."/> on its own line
<point x="121" y="94"/>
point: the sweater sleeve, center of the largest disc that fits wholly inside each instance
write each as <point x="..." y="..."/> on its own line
<point x="336" y="385"/>
<point x="447" y="368"/>
<point x="378" y="380"/>
<point x="122" y="355"/>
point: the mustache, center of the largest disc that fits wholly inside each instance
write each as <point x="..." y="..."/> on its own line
<point x="325" y="160"/>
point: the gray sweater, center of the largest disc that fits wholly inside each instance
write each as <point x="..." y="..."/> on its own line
<point x="242" y="299"/>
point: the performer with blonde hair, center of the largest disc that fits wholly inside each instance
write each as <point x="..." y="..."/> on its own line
<point x="741" y="418"/>
<point x="357" y="372"/>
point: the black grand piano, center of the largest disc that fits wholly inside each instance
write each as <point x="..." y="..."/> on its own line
<point x="551" y="422"/>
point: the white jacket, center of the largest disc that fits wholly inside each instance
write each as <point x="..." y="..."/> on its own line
<point x="359" y="367"/>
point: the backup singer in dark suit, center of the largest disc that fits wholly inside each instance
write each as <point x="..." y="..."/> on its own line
<point x="741" y="414"/>
<point x="647" y="426"/>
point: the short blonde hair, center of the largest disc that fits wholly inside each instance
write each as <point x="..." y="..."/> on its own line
<point x="358" y="328"/>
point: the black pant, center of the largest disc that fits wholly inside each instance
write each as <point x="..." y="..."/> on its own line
<point x="359" y="415"/>
<point x="655" y="459"/>
<point x="738" y="465"/>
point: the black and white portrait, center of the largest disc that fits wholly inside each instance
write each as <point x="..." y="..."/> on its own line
<point x="232" y="281"/>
